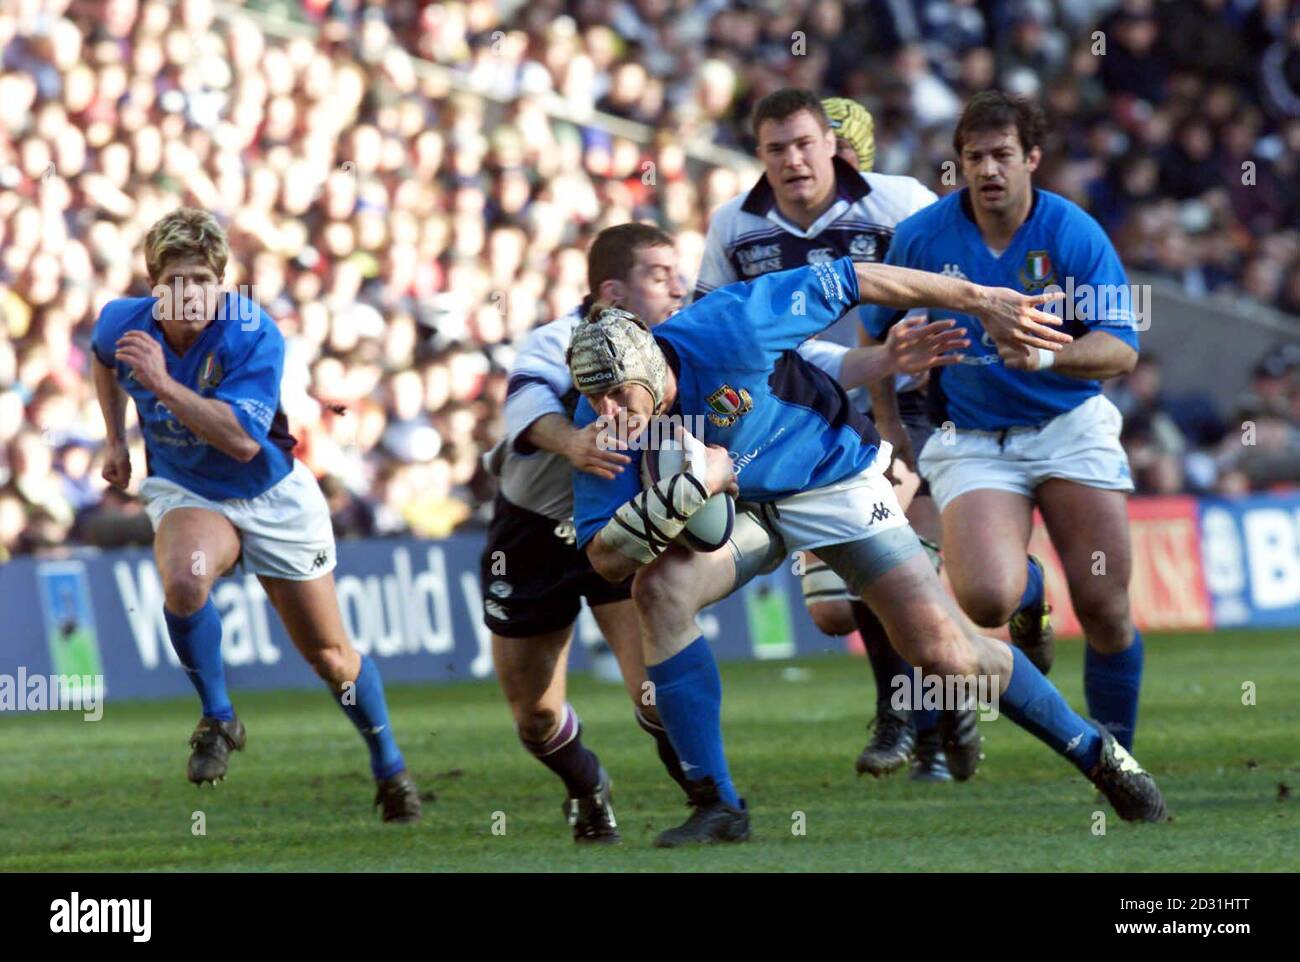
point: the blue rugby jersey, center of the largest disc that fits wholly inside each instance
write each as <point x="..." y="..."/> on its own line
<point x="241" y="367"/>
<point x="787" y="424"/>
<point x="1058" y="244"/>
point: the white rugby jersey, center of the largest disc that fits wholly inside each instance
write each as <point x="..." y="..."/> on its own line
<point x="749" y="237"/>
<point x="542" y="481"/>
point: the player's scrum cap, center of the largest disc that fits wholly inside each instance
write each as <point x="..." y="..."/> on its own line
<point x="852" y="121"/>
<point x="613" y="347"/>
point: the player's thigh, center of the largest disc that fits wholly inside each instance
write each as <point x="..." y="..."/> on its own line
<point x="192" y="548"/>
<point x="985" y="534"/>
<point x="924" y="517"/>
<point x="532" y="674"/>
<point x="621" y="627"/>
<point x="1090" y="531"/>
<point x="922" y="622"/>
<point x="309" y="610"/>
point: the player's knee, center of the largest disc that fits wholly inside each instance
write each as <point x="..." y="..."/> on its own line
<point x="988" y="608"/>
<point x="330" y="664"/>
<point x="832" y="617"/>
<point x="535" y="724"/>
<point x="185" y="593"/>
<point x="661" y="592"/>
<point x="1106" y="621"/>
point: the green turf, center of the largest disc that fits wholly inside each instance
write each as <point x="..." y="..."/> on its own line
<point x="112" y="795"/>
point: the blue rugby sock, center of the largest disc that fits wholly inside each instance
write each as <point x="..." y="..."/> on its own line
<point x="196" y="639"/>
<point x="925" y="719"/>
<point x="1036" y="706"/>
<point x="365" y="706"/>
<point x="688" y="696"/>
<point x="1033" y="587"/>
<point x="1111" y="684"/>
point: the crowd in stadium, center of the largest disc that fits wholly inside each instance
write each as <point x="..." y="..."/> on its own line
<point x="402" y="233"/>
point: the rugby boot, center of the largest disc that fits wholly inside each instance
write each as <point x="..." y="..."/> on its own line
<point x="891" y="742"/>
<point x="959" y="733"/>
<point x="212" y="741"/>
<point x="1129" y="788"/>
<point x="712" y="820"/>
<point x="1031" y="630"/>
<point x="592" y="818"/>
<point x="930" y="765"/>
<point x="399" y="797"/>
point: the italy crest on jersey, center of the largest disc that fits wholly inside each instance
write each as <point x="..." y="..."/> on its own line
<point x="1037" y="272"/>
<point x="209" y="372"/>
<point x="728" y="405"/>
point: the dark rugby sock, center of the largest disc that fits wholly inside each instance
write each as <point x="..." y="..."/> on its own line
<point x="886" y="664"/>
<point x="563" y="753"/>
<point x="667" y="754"/>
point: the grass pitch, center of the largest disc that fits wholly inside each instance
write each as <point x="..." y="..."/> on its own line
<point x="112" y="796"/>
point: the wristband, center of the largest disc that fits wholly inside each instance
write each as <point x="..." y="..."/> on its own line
<point x="1046" y="359"/>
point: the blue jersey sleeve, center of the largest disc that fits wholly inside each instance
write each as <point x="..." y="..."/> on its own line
<point x="108" y="328"/>
<point x="877" y="320"/>
<point x="1103" y="299"/>
<point x="763" y="318"/>
<point x="594" y="499"/>
<point x="251" y="383"/>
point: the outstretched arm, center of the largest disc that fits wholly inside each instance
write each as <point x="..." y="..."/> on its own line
<point x="1007" y="315"/>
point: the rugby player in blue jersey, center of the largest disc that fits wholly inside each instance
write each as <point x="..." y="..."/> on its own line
<point x="203" y="366"/>
<point x="1022" y="426"/>
<point x="812" y="477"/>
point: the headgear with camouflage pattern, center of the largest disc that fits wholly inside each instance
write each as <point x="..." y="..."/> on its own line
<point x="612" y="347"/>
<point x="852" y="121"/>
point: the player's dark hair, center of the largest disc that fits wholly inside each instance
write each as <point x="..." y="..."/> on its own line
<point x="613" y="252"/>
<point x="995" y="110"/>
<point x="787" y="102"/>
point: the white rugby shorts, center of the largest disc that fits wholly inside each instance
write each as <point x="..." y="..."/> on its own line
<point x="1081" y="445"/>
<point x="285" y="531"/>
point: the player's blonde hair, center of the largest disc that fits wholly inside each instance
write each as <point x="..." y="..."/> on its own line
<point x="187" y="233"/>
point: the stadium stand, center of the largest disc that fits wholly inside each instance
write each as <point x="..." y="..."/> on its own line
<point x="403" y="223"/>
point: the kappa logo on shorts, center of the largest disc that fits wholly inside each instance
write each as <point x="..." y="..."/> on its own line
<point x="729" y="405"/>
<point x="322" y="558"/>
<point x="880" y="512"/>
<point x="501" y="589"/>
<point x="495" y="610"/>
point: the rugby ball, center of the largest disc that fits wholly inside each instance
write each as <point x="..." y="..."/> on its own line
<point x="710" y="527"/>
